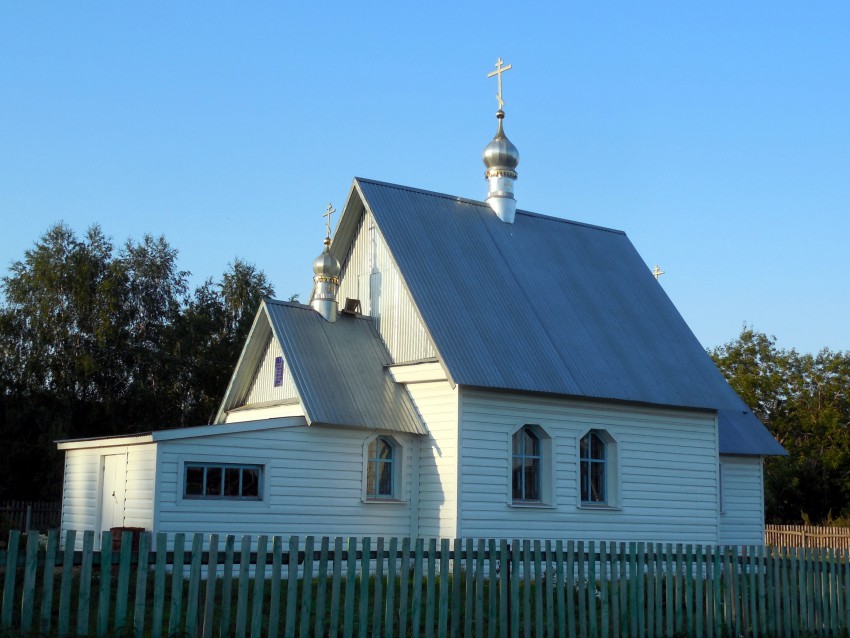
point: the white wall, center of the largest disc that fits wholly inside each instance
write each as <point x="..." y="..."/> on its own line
<point x="370" y="275"/>
<point x="83" y="478"/>
<point x="80" y="490"/>
<point x="141" y="486"/>
<point x="437" y="404"/>
<point x="742" y="516"/>
<point x="313" y="485"/>
<point x="262" y="388"/>
<point x="667" y="469"/>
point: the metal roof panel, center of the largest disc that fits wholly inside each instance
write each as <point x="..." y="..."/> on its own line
<point x="550" y="305"/>
<point x="340" y="370"/>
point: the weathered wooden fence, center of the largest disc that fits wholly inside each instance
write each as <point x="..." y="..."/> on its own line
<point x="24" y="515"/>
<point x="270" y="586"/>
<point x="807" y="536"/>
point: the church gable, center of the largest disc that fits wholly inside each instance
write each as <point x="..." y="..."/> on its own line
<point x="369" y="273"/>
<point x="272" y="381"/>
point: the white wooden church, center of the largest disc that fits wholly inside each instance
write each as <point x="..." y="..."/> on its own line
<point x="463" y="369"/>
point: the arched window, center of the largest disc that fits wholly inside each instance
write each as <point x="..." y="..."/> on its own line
<point x="380" y="469"/>
<point x="593" y="461"/>
<point x="527" y="465"/>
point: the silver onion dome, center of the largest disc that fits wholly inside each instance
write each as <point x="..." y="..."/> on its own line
<point x="326" y="265"/>
<point x="500" y="155"/>
<point x="325" y="283"/>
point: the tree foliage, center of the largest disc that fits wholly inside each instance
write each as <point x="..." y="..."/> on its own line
<point x="98" y="341"/>
<point x="804" y="399"/>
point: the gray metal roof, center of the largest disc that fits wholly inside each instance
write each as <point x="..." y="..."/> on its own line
<point x="340" y="371"/>
<point x="549" y="305"/>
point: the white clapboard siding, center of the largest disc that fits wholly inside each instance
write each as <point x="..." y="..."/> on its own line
<point x="666" y="471"/>
<point x="313" y="485"/>
<point x="262" y="388"/>
<point x="436" y="402"/>
<point x="83" y="478"/>
<point x="141" y="486"/>
<point x="742" y="518"/>
<point x="80" y="491"/>
<point x="370" y="275"/>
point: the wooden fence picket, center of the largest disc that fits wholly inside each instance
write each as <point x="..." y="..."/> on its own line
<point x="336" y="585"/>
<point x="65" y="583"/>
<point x="377" y="591"/>
<point x="416" y="594"/>
<point x="48" y="581"/>
<point x="504" y="587"/>
<point x="158" y="613"/>
<point x="210" y="590"/>
<point x="443" y="613"/>
<point x="351" y="573"/>
<point x="388" y="612"/>
<point x="28" y="584"/>
<point x="430" y="587"/>
<point x="321" y="588"/>
<point x="85" y="584"/>
<point x="291" y="589"/>
<point x="259" y="587"/>
<point x="306" y="589"/>
<point x="403" y="594"/>
<point x="365" y="564"/>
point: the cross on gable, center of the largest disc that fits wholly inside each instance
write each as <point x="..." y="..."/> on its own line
<point x="657" y="272"/>
<point x="498" y="73"/>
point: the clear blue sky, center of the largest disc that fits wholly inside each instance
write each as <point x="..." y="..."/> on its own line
<point x="717" y="135"/>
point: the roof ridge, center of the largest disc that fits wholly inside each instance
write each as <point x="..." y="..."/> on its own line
<point x="301" y="306"/>
<point x="291" y="304"/>
<point x="402" y="187"/>
<point x="475" y="202"/>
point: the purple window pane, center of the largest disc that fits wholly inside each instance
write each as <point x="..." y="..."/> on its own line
<point x="278" y="372"/>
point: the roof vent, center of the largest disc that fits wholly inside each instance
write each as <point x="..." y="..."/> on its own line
<point x="352" y="306"/>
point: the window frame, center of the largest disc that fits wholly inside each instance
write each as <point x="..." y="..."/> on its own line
<point x="396" y="470"/>
<point x="546" y="488"/>
<point x="591" y="458"/>
<point x="207" y="465"/>
<point x="611" y="471"/>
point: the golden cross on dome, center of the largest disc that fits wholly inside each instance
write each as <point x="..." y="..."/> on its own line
<point x="330" y="211"/>
<point x="498" y="73"/>
<point x="657" y="272"/>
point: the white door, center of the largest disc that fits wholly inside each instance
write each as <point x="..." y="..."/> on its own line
<point x="112" y="494"/>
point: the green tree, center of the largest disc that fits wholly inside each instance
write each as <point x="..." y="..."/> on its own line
<point x="804" y="400"/>
<point x="97" y="341"/>
<point x="213" y="329"/>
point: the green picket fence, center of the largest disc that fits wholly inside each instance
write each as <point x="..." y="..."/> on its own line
<point x="271" y="586"/>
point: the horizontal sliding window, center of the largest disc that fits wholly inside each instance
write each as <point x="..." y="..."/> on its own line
<point x="222" y="481"/>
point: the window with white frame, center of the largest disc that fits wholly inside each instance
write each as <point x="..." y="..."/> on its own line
<point x="382" y="468"/>
<point x="527" y="466"/>
<point x="222" y="481"/>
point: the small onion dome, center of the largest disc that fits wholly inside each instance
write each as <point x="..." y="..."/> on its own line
<point x="500" y="156"/>
<point x="326" y="265"/>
